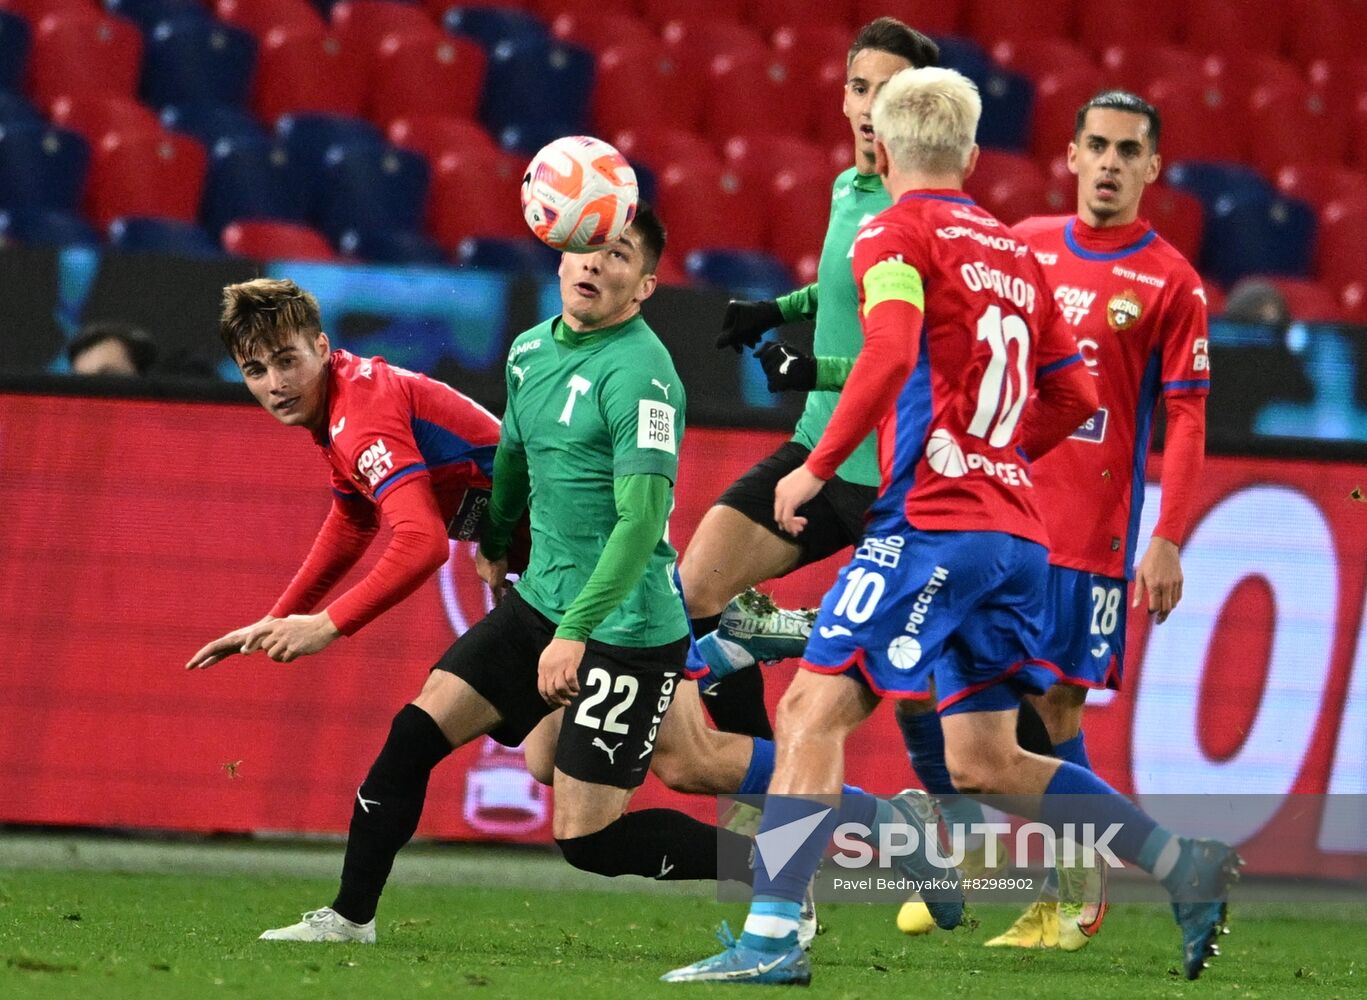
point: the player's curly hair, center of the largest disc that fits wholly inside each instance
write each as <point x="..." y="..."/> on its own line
<point x="263" y="314"/>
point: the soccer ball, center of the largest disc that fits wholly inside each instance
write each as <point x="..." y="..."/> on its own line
<point x="578" y="194"/>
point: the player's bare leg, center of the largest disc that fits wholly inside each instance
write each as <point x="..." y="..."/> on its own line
<point x="1060" y="708"/>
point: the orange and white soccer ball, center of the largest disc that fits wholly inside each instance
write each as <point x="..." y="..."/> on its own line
<point x="578" y="194"/>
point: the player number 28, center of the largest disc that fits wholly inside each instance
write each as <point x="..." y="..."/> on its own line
<point x="997" y="397"/>
<point x="626" y="686"/>
<point x="1105" y="609"/>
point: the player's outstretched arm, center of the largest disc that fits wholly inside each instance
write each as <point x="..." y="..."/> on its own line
<point x="1158" y="577"/>
<point x="1065" y="397"/>
<point x="226" y="645"/>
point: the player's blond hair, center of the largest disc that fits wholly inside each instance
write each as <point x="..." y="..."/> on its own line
<point x="262" y="315"/>
<point x="928" y="119"/>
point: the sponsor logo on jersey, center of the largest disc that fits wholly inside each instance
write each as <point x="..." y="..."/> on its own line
<point x="996" y="242"/>
<point x="1074" y="302"/>
<point x="655" y="426"/>
<point x="1139" y="276"/>
<point x="1047" y="259"/>
<point x="1011" y="288"/>
<point x="661" y="706"/>
<point x="986" y="221"/>
<point x="1093" y="429"/>
<point x="522" y="349"/>
<point x="376" y="462"/>
<point x="921" y="608"/>
<point x="904" y="652"/>
<point x="885" y="552"/>
<point x="519" y="372"/>
<point x="1124" y="310"/>
<point x="946" y="457"/>
<point x="464" y="524"/>
<point x="1200" y="355"/>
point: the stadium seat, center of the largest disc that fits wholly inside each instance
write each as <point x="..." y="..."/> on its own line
<point x="758" y="156"/>
<point x="629" y="83"/>
<point x="550" y="10"/>
<point x="1135" y="64"/>
<point x="1294" y="124"/>
<point x="1053" y="117"/>
<point x="1037" y="58"/>
<point x="192" y="58"/>
<point x="1177" y="216"/>
<point x="210" y="123"/>
<point x="1007" y="98"/>
<point x="511" y="255"/>
<point x="83" y="52"/>
<point x="1307" y="300"/>
<point x="15" y="38"/>
<point x="755" y="93"/>
<point x="1320" y="183"/>
<point x="391" y="246"/>
<point x="1254" y="234"/>
<point x="372" y="189"/>
<point x="363" y="24"/>
<point x="418" y="74"/>
<point x="661" y="12"/>
<point x="42" y="167"/>
<point x="46" y="227"/>
<point x="260" y="17"/>
<point x="15" y="109"/>
<point x="828" y="124"/>
<point x="709" y="206"/>
<point x="659" y="146"/>
<point x="475" y="192"/>
<point x="600" y="32"/>
<point x="990" y="21"/>
<point x="310" y="137"/>
<point x="525" y="138"/>
<point x="267" y="240"/>
<point x="146" y="174"/>
<point x="95" y="117"/>
<point x="1338" y="251"/>
<point x="248" y="179"/>
<point x="934" y="17"/>
<point x="537" y="80"/>
<point x="1325" y="31"/>
<point x="1251" y="25"/>
<point x="770" y="15"/>
<point x="1209" y="182"/>
<point x="436" y="135"/>
<point x="300" y="70"/>
<point x="751" y="274"/>
<point x="494" y="26"/>
<point x="1241" y="72"/>
<point x="964" y="55"/>
<point x="34" y="11"/>
<point x="695" y="41"/>
<point x="1008" y="185"/>
<point x="1157" y="21"/>
<point x="801" y="206"/>
<point x="168" y="236"/>
<point x="1202" y="120"/>
<point x="807" y="46"/>
<point x="146" y="14"/>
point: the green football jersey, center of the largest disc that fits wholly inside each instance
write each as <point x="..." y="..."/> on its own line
<point x="855" y="199"/>
<point x="584" y="415"/>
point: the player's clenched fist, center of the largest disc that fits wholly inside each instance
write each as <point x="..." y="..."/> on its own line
<point x="226" y="645"/>
<point x="493" y="572"/>
<point x="557" y="675"/>
<point x="746" y="321"/>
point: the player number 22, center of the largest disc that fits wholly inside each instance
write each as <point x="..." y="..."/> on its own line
<point x="996" y="395"/>
<point x="626" y="686"/>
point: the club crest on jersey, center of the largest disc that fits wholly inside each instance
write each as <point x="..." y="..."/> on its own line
<point x="1124" y="310"/>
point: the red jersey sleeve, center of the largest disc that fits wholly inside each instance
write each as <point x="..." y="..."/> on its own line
<point x="350" y="526"/>
<point x="1185" y="344"/>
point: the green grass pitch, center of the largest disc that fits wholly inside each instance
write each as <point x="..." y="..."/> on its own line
<point x="87" y="918"/>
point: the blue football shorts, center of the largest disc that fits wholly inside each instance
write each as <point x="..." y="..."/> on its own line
<point x="1084" y="627"/>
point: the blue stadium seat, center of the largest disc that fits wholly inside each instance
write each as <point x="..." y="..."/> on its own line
<point x="1007" y="102"/>
<point x="210" y="122"/>
<point x="493" y="26"/>
<point x="308" y="138"/>
<point x="47" y="227"/>
<point x="1209" y="182"/>
<point x="964" y="55"/>
<point x="192" y="58"/>
<point x="751" y="273"/>
<point x="525" y="138"/>
<point x="391" y="246"/>
<point x="248" y="179"/>
<point x="536" y="80"/>
<point x="515" y="256"/>
<point x="372" y="189"/>
<point x="148" y="13"/>
<point x="42" y="167"/>
<point x="168" y="236"/>
<point x="1248" y="233"/>
<point x="16" y="110"/>
<point x="14" y="45"/>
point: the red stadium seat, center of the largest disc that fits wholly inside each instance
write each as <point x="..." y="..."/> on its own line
<point x="826" y="93"/>
<point x="1308" y="300"/>
<point x="1240" y="72"/>
<point x="550" y="10"/>
<point x="1327" y="31"/>
<point x="301" y="70"/>
<point x="708" y="206"/>
<point x="1352" y="296"/>
<point x="1338" y="244"/>
<point x="1037" y="58"/>
<point x="1156" y="21"/>
<point x="1008" y="185"/>
<point x="35" y="10"/>
<point x="1320" y="183"/>
<point x="260" y="17"/>
<point x="661" y="12"/>
<point x="800" y="199"/>
<point x="475" y="192"/>
<point x="770" y="15"/>
<point x="1294" y="125"/>
<point x="600" y="32"/>
<point x="83" y="52"/>
<point x="362" y="25"/>
<point x="1177" y="216"/>
<point x="989" y="21"/>
<point x="1251" y="25"/>
<point x="753" y="92"/>
<point x="262" y="239"/>
<point x="420" y="73"/>
<point x="1053" y="119"/>
<point x="435" y="135"/>
<point x="93" y="118"/>
<point x="629" y="82"/>
<point x="807" y="47"/>
<point x="933" y="17"/>
<point x="658" y="146"/>
<point x="140" y="173"/>
<point x="1357" y="129"/>
<point x="1201" y="119"/>
<point x="695" y="42"/>
<point x="1135" y="65"/>
<point x="758" y="156"/>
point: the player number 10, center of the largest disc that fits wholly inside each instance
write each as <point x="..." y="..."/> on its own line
<point x="999" y="331"/>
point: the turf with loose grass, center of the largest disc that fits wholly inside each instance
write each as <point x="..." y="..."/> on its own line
<point x="173" y="921"/>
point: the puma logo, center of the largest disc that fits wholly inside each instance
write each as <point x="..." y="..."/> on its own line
<point x="663" y="388"/>
<point x="519" y="373"/>
<point x="788" y="359"/>
<point x="665" y="867"/>
<point x="610" y="751"/>
<point x="365" y="802"/>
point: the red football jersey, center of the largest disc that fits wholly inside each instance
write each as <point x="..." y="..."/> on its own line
<point x="948" y="450"/>
<point x="386" y="424"/>
<point x="1138" y="311"/>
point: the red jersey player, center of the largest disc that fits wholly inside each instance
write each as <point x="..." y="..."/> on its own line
<point x="398" y="443"/>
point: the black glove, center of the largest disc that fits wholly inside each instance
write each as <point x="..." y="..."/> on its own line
<point x="746" y="322"/>
<point x="787" y="367"/>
